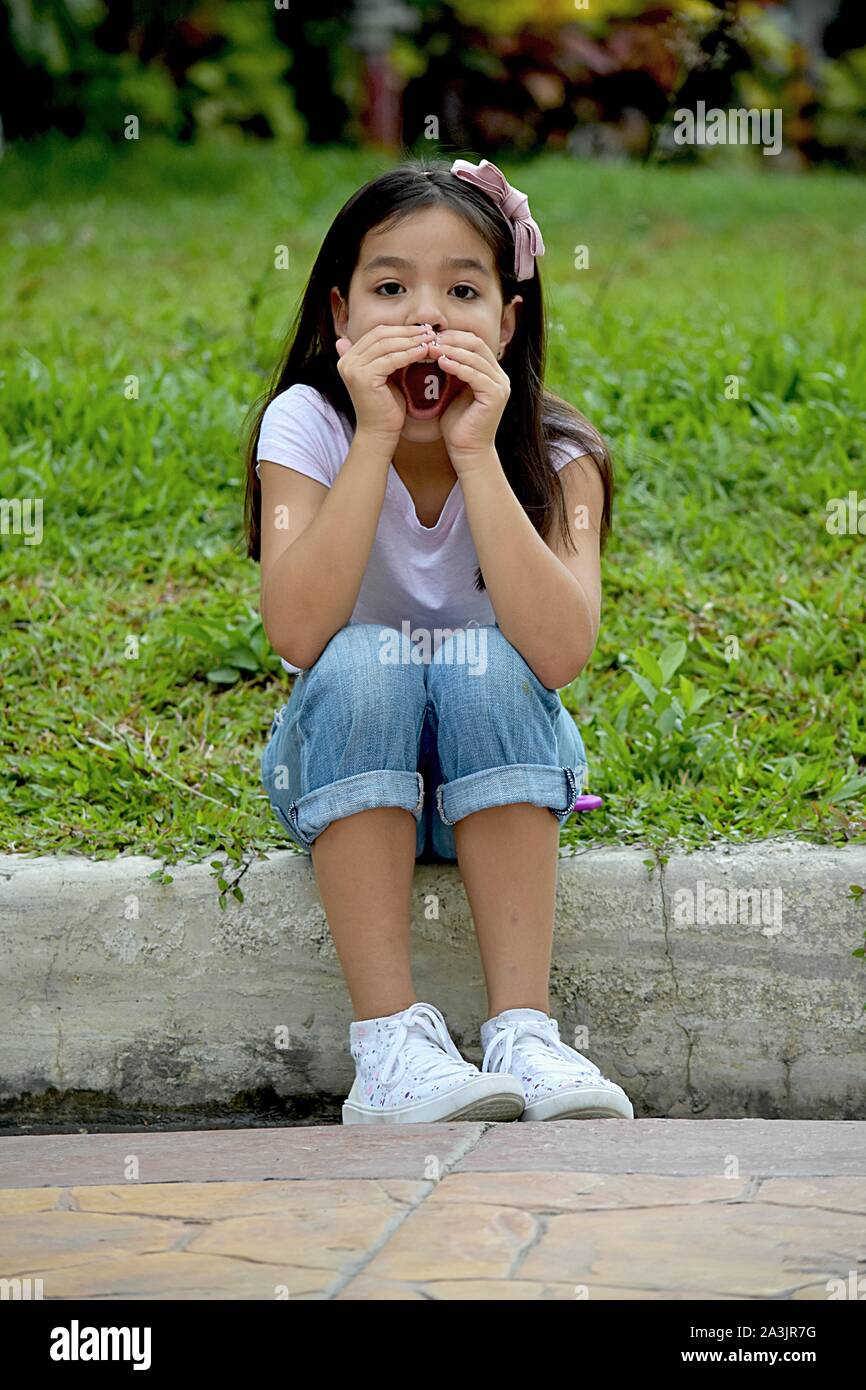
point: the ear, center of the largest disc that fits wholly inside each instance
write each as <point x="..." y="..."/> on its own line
<point x="508" y="323"/>
<point x="339" y="312"/>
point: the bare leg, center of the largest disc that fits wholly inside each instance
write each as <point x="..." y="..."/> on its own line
<point x="364" y="865"/>
<point x="508" y="857"/>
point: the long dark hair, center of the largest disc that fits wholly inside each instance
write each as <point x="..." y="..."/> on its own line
<point x="533" y="416"/>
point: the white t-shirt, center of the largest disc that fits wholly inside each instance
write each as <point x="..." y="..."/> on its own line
<point x="423" y="575"/>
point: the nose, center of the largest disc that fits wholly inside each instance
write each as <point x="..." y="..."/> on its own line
<point x="434" y="317"/>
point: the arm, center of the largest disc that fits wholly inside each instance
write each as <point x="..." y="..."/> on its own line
<point x="547" y="600"/>
<point x="316" y="542"/>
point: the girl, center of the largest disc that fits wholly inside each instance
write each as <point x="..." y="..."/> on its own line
<point x="411" y="493"/>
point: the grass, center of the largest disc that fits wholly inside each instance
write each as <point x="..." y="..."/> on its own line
<point x="725" y="697"/>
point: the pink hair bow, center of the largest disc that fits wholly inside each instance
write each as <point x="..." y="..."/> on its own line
<point x="514" y="205"/>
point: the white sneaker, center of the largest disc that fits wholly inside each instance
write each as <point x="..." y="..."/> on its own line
<point x="408" y="1071"/>
<point x="558" y="1082"/>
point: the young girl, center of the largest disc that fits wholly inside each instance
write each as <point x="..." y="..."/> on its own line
<point x="411" y="494"/>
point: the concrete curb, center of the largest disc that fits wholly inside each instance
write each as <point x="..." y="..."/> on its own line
<point x="740" y="1003"/>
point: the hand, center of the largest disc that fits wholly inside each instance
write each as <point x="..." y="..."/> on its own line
<point x="365" y="366"/>
<point x="470" y="422"/>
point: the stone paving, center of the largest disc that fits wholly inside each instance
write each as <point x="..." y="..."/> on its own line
<point x="591" y="1209"/>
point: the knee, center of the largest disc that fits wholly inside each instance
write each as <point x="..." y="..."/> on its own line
<point x="481" y="669"/>
<point x="477" y="657"/>
<point x="367" y="667"/>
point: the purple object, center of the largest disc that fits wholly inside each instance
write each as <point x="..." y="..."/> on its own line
<point x="587" y="803"/>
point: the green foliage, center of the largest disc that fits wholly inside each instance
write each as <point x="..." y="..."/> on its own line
<point x="240" y="82"/>
<point x="246" y="80"/>
<point x="519" y="74"/>
<point x="47" y="33"/>
<point x="670" y="731"/>
<point x="841" y="119"/>
<point x="231" y="654"/>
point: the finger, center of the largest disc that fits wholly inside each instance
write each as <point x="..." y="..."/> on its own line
<point x="383" y="367"/>
<point x="456" y="337"/>
<point x="393" y="344"/>
<point x="458" y="354"/>
<point x="384" y="331"/>
<point x="481" y="384"/>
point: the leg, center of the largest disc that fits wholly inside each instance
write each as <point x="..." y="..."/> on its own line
<point x="508" y="857"/>
<point x="511" y="756"/>
<point x="364" y="865"/>
<point x="342" y="773"/>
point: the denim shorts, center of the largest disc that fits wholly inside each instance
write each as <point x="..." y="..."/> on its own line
<point x="373" y="724"/>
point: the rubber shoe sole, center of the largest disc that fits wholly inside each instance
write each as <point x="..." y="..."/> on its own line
<point x="488" y="1096"/>
<point x="582" y="1103"/>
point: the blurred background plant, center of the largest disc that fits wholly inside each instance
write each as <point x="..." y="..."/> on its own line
<point x="525" y="75"/>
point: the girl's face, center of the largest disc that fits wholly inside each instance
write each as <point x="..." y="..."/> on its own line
<point x="431" y="267"/>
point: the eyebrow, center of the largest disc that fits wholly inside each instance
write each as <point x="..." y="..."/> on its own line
<point x="450" y="262"/>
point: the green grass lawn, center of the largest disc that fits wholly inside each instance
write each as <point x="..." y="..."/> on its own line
<point x="138" y="686"/>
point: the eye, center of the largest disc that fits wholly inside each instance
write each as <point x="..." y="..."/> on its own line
<point x="388" y="285"/>
<point x="473" y="293"/>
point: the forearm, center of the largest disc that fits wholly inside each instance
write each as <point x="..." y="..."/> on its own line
<point x="313" y="586"/>
<point x="540" y="607"/>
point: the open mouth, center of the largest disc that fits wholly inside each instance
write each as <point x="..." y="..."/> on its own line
<point x="427" y="390"/>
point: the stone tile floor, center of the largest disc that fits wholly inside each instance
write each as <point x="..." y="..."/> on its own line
<point x="586" y="1209"/>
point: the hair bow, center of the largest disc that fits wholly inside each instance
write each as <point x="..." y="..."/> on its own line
<point x="514" y="206"/>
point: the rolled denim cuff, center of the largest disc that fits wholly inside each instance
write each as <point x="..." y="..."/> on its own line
<point x="313" y="813"/>
<point x="555" y="788"/>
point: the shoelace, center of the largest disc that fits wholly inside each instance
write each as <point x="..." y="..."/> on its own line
<point x="427" y="1061"/>
<point x="554" y="1055"/>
